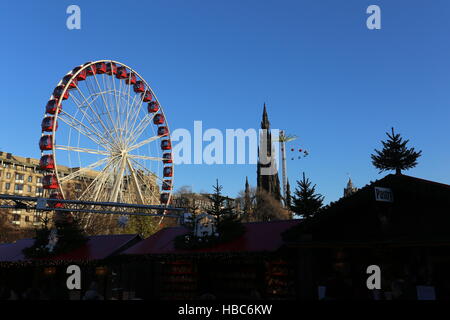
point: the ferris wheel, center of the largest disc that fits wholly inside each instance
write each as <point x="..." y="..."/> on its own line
<point x="105" y="138"/>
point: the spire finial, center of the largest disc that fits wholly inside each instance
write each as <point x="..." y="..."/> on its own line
<point x="265" y="124"/>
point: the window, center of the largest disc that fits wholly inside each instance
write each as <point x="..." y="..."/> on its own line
<point x="39" y="180"/>
<point x="16" y="217"/>
<point x="7" y="186"/>
<point x="8" y="175"/>
<point x="27" y="219"/>
<point x="39" y="191"/>
<point x="30" y="189"/>
<point x="20" y="176"/>
<point x="18" y="187"/>
<point x="30" y="179"/>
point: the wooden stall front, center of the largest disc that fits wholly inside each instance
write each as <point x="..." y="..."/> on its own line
<point x="404" y="232"/>
<point x="40" y="279"/>
<point x="253" y="266"/>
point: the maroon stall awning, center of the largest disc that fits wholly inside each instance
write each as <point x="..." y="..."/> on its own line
<point x="258" y="237"/>
<point x="96" y="248"/>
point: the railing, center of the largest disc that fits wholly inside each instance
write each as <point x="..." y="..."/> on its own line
<point x="79" y="206"/>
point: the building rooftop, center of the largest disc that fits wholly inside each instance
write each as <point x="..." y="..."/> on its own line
<point x="258" y="237"/>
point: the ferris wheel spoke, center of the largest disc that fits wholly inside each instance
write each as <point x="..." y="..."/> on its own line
<point x="139" y="129"/>
<point x="146" y="179"/>
<point x="135" y="156"/>
<point x="81" y="108"/>
<point x="107" y="130"/>
<point x="118" y="96"/>
<point x="135" y="181"/>
<point x="78" y="149"/>
<point x="115" y="107"/>
<point x="102" y="175"/>
<point x="135" y="116"/>
<point x="79" y="172"/>
<point x="118" y="180"/>
<point x="82" y="128"/>
<point x="144" y="142"/>
<point x="100" y="192"/>
<point x="101" y="92"/>
<point x="128" y="103"/>
<point x="143" y="168"/>
<point x="114" y="104"/>
<point x="96" y="96"/>
<point x="133" y="103"/>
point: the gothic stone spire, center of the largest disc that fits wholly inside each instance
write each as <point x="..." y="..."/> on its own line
<point x="265" y="124"/>
<point x="267" y="183"/>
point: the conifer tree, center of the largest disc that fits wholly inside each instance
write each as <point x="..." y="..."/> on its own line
<point x="305" y="200"/>
<point x="288" y="200"/>
<point x="218" y="208"/>
<point x="395" y="155"/>
<point x="247" y="198"/>
<point x="228" y="222"/>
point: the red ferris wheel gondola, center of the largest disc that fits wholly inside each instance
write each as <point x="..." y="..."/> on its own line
<point x="153" y="107"/>
<point x="48" y="124"/>
<point x="82" y="75"/>
<point x="131" y="78"/>
<point x="111" y="68"/>
<point x="139" y="86"/>
<point x="121" y="73"/>
<point x="50" y="181"/>
<point x="57" y="93"/>
<point x="158" y="119"/>
<point x="166" y="145"/>
<point x="90" y="70"/>
<point x="147" y="96"/>
<point x="168" y="172"/>
<point x="45" y="143"/>
<point x="46" y="162"/>
<point x="167" y="158"/>
<point x="163" y="131"/>
<point x="100" y="68"/>
<point x="72" y="84"/>
<point x="51" y="106"/>
<point x="167" y="185"/>
<point x="55" y="204"/>
<point x="164" y="197"/>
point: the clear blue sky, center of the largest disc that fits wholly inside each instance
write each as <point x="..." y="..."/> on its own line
<point x="324" y="76"/>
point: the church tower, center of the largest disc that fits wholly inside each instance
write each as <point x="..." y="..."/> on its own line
<point x="350" y="189"/>
<point x="268" y="183"/>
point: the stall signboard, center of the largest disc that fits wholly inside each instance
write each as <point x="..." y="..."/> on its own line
<point x="384" y="194"/>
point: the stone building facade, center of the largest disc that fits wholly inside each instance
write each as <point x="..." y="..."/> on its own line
<point x="21" y="176"/>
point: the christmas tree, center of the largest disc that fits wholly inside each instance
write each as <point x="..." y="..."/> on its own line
<point x="67" y="234"/>
<point x="305" y="200"/>
<point x="395" y="155"/>
<point x="227" y="224"/>
<point x="288" y="200"/>
<point x="247" y="198"/>
<point x="219" y="209"/>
